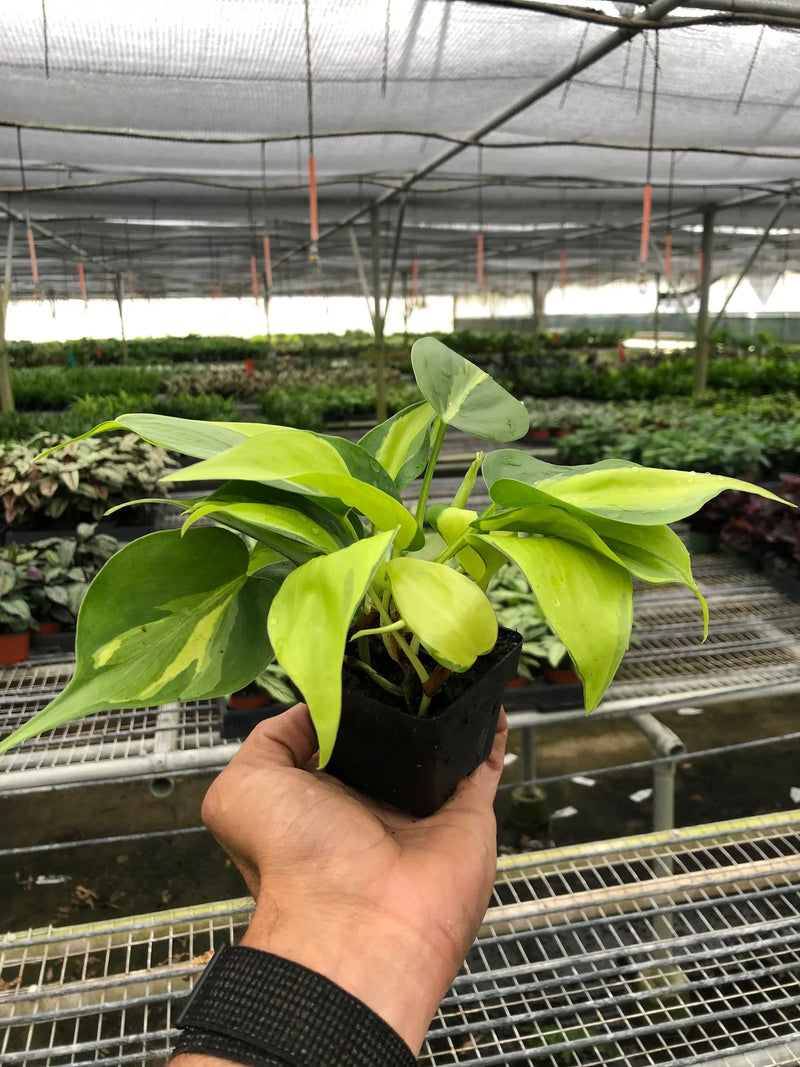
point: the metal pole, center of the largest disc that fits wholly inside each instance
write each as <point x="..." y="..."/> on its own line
<point x="6" y="392"/>
<point x="665" y="746"/>
<point x="528" y="756"/>
<point x="406" y="306"/>
<point x="395" y="253"/>
<point x="378" y="317"/>
<point x="750" y="261"/>
<point x="537" y="318"/>
<point x="657" y="314"/>
<point x="361" y="272"/>
<point x="619" y="37"/>
<point x="702" y="330"/>
<point x="118" y="294"/>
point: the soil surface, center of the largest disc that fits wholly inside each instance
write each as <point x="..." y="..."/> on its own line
<point x="101" y="881"/>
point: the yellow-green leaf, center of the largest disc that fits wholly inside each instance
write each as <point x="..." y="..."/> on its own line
<point x="586" y="598"/>
<point x="400" y="444"/>
<point x="381" y="509"/>
<point x="308" y="624"/>
<point x="447" y="611"/>
<point x="614" y="489"/>
<point x="282" y="453"/>
<point x="268" y="518"/>
<point x="190" y="437"/>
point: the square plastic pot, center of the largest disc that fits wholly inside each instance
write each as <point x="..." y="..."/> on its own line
<point x="416" y="763"/>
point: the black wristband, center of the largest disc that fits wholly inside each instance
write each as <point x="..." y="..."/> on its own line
<point x="266" y="1011"/>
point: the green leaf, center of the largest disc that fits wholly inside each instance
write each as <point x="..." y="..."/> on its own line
<point x="464" y="396"/>
<point x="261" y="557"/>
<point x="586" y="598"/>
<point x="447" y="611"/>
<point x="384" y="511"/>
<point x="478" y="558"/>
<point x="652" y="553"/>
<point x="167" y="618"/>
<point x="401" y="444"/>
<point x="283" y="453"/>
<point x="308" y="624"/>
<point x="189" y="437"/>
<point x="265" y="519"/>
<point x="614" y="489"/>
<point x="362" y="464"/>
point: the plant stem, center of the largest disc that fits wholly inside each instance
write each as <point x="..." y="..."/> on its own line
<point x="453" y="549"/>
<point x="384" y="683"/>
<point x="413" y="659"/>
<point x="411" y="655"/>
<point x="386" y="618"/>
<point x="436" y="446"/>
<point x="424" y="704"/>
<point x="363" y="649"/>
<point x="390" y="627"/>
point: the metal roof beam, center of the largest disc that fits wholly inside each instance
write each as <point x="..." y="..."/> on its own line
<point x="591" y="56"/>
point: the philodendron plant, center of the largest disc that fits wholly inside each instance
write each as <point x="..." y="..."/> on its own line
<point x="313" y="557"/>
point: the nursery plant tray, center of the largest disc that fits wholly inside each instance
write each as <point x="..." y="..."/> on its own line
<point x="660" y="950"/>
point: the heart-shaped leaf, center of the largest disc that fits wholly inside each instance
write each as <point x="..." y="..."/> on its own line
<point x="464" y="396"/>
<point x="447" y="611"/>
<point x="586" y="598"/>
<point x="187" y="622"/>
<point x="401" y="444"/>
<point x="283" y="453"/>
<point x="653" y="553"/>
<point x="308" y="624"/>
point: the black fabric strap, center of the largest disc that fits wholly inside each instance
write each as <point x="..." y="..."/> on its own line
<point x="266" y="1011"/>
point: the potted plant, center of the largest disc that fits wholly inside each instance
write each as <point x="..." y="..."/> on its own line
<point x="16" y="621"/>
<point x="59" y="571"/>
<point x="510" y="596"/>
<point x="73" y="482"/>
<point x="314" y="561"/>
<point x="268" y="694"/>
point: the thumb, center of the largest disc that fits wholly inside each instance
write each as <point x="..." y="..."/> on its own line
<point x="286" y="740"/>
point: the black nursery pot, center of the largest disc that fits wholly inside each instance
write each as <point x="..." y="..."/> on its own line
<point x="413" y="763"/>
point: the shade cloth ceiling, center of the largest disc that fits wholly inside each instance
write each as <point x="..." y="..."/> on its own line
<point x="158" y="142"/>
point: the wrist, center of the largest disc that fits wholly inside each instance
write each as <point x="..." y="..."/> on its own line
<point x="371" y="957"/>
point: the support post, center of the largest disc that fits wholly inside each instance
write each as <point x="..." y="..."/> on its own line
<point x="750" y="261"/>
<point x="537" y="317"/>
<point x="118" y="295"/>
<point x="361" y="272"/>
<point x="701" y="329"/>
<point x="6" y="392"/>
<point x="406" y="305"/>
<point x="657" y="314"/>
<point x="266" y="313"/>
<point x="378" y="318"/>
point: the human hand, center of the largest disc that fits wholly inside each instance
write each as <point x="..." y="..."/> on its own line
<point x="384" y="904"/>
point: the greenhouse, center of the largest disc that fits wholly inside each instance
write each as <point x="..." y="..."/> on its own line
<point x="407" y="359"/>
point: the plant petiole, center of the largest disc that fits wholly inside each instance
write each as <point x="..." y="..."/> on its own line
<point x="389" y="628"/>
<point x="436" y="446"/>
